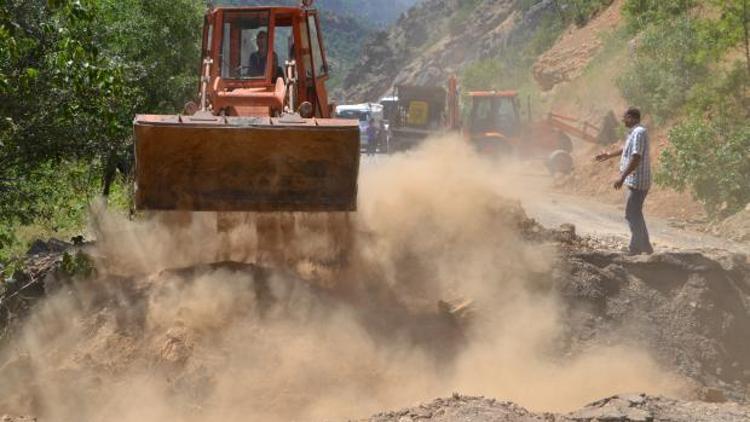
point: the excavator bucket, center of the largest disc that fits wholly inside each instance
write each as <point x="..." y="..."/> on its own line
<point x="217" y="163"/>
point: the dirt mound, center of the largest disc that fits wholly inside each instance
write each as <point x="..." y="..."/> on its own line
<point x="690" y="310"/>
<point x="736" y="227"/>
<point x="459" y="408"/>
<point x="624" y="408"/>
<point x="641" y="407"/>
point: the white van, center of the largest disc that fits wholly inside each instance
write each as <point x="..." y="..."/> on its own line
<point x="362" y="113"/>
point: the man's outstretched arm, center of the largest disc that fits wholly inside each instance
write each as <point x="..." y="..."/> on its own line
<point x="604" y="155"/>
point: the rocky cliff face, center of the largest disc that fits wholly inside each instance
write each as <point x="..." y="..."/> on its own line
<point x="380" y="12"/>
<point x="437" y="38"/>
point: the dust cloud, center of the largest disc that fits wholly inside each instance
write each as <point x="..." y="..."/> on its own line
<point x="429" y="289"/>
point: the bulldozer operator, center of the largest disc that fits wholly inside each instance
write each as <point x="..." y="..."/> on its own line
<point x="258" y="59"/>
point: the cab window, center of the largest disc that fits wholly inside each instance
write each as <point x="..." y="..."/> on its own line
<point x="245" y="45"/>
<point x="482" y="115"/>
<point x="317" y="50"/>
<point x="506" y="119"/>
<point x="283" y="40"/>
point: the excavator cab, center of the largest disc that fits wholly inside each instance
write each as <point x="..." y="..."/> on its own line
<point x="261" y="138"/>
<point x="495" y="112"/>
<point x="494" y="123"/>
<point x="495" y="129"/>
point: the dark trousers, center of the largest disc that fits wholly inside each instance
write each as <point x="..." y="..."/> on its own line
<point x="371" y="146"/>
<point x="639" y="241"/>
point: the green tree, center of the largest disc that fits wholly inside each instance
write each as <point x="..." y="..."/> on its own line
<point x="72" y="75"/>
<point x="710" y="160"/>
<point x="62" y="99"/>
<point x="670" y="59"/>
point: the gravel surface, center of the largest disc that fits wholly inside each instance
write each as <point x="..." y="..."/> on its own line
<point x="621" y="408"/>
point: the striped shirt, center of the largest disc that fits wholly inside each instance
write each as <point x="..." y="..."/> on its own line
<point x="637" y="143"/>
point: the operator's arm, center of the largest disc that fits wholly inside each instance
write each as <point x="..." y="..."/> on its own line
<point x="604" y="156"/>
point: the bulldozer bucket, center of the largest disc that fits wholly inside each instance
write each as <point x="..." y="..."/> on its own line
<point x="261" y="164"/>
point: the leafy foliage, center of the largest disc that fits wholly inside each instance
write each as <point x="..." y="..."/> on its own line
<point x="72" y="75"/>
<point x="641" y="13"/>
<point x="63" y="99"/>
<point x="583" y="10"/>
<point x="670" y="60"/>
<point x="77" y="264"/>
<point x="711" y="161"/>
<point x="679" y="68"/>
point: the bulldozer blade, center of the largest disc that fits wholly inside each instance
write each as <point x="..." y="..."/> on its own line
<point x="245" y="164"/>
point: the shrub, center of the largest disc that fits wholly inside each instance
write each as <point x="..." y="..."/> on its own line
<point x="642" y="13"/>
<point x="583" y="10"/>
<point x="669" y="61"/>
<point x="710" y="160"/>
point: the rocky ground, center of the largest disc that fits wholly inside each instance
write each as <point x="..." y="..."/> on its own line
<point x="736" y="227"/>
<point x="691" y="310"/>
<point x="9" y="418"/>
<point x="622" y="408"/>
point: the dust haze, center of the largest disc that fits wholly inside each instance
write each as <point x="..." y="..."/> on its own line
<point x="356" y="315"/>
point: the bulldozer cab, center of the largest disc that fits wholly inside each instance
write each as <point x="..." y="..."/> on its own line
<point x="249" y="48"/>
<point x="245" y="52"/>
<point x="262" y="139"/>
<point x="494" y="112"/>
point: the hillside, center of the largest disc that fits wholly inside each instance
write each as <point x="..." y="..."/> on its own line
<point x="379" y="13"/>
<point x="375" y="13"/>
<point x="440" y="37"/>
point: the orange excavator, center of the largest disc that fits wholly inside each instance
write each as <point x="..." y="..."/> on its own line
<point x="495" y="126"/>
<point x="261" y="137"/>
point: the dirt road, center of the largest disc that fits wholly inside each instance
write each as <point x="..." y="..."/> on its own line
<point x="607" y="221"/>
<point x="591" y="217"/>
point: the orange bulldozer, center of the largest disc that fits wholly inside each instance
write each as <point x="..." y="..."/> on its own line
<point x="262" y="137"/>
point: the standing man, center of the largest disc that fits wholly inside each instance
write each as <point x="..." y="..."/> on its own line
<point x="635" y="174"/>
